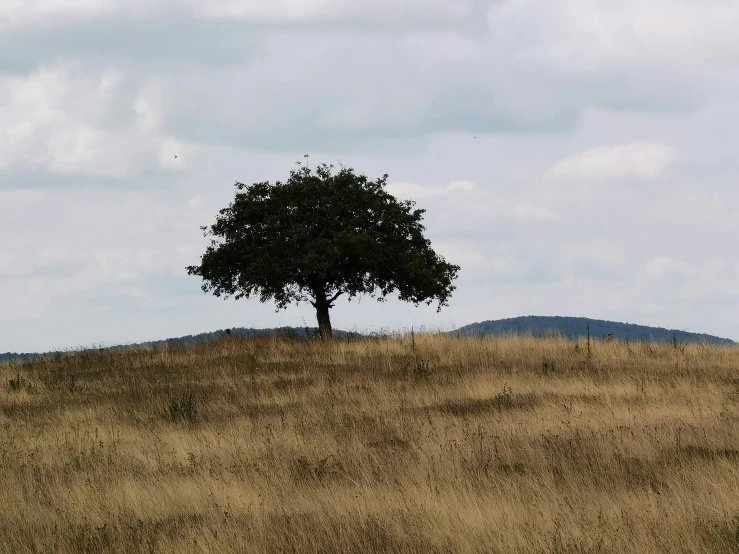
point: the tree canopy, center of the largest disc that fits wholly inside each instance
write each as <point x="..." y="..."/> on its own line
<point x="318" y="236"/>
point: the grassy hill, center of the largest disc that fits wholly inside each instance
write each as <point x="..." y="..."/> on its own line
<point x="538" y="326"/>
<point x="272" y="444"/>
<point x="575" y="327"/>
<point x="202" y="337"/>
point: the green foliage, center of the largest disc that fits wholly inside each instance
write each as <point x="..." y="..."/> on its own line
<point x="320" y="235"/>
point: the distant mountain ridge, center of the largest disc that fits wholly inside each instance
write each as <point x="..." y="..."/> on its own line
<point x="574" y="327"/>
<point x="540" y="326"/>
<point x="200" y="337"/>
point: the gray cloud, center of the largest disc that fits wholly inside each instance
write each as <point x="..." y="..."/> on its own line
<point x="346" y="93"/>
<point x="176" y="36"/>
<point x="169" y="41"/>
<point x="98" y="219"/>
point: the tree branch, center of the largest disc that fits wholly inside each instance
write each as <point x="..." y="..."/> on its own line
<point x="335" y="296"/>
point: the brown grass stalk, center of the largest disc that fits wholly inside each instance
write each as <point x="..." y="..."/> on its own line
<point x="507" y="444"/>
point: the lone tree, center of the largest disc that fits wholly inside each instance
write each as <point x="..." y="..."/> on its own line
<point x="319" y="236"/>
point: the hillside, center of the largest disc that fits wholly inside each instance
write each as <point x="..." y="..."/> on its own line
<point x="249" y="332"/>
<point x="387" y="444"/>
<point x="538" y="326"/>
<point x="574" y="327"/>
<point x="202" y="337"/>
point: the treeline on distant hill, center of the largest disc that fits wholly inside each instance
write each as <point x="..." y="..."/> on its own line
<point x="17" y="356"/>
<point x="250" y="332"/>
<point x="301" y="332"/>
<point x="575" y="327"/>
<point x="538" y="326"/>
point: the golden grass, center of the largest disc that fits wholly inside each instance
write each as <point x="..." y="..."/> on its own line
<point x="507" y="444"/>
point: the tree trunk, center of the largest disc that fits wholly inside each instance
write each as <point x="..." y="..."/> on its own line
<point x="324" y="320"/>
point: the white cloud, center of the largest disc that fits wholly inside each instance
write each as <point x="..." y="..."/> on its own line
<point x="17" y="11"/>
<point x="19" y="197"/>
<point x="662" y="266"/>
<point x="110" y="79"/>
<point x="714" y="211"/>
<point x="472" y="258"/>
<point x="107" y="93"/>
<point x="176" y="154"/>
<point x="440" y="12"/>
<point x="59" y="119"/>
<point x="411" y="190"/>
<point x="196" y="202"/>
<point x="275" y="10"/>
<point x="131" y="292"/>
<point x="638" y="159"/>
<point x="669" y="31"/>
<point x="461" y="185"/>
<point x="386" y="11"/>
<point x="597" y="250"/>
<point x="525" y="212"/>
<point x="125" y="264"/>
<point x="506" y="266"/>
<point x="81" y="149"/>
<point x="460" y="252"/>
<point x="148" y="107"/>
<point x="656" y="308"/>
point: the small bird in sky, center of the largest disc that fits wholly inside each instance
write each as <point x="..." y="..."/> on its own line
<point x="175" y="156"/>
<point x="473" y="136"/>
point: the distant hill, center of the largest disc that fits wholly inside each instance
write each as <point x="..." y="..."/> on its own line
<point x="574" y="327"/>
<point x="201" y="337"/>
<point x="539" y="326"/>
<point x="249" y="332"/>
<point x="17" y="356"/>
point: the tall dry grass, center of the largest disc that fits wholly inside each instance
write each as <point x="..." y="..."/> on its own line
<point x="267" y="445"/>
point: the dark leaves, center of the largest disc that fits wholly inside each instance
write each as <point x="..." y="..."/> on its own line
<point x="320" y="235"/>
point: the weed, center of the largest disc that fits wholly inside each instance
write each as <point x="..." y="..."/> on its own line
<point x="420" y="368"/>
<point x="515" y="468"/>
<point x="391" y="443"/>
<point x="678" y="345"/>
<point x="305" y="470"/>
<point x="722" y="536"/>
<point x="88" y="538"/>
<point x="548" y="368"/>
<point x="16" y="384"/>
<point x="433" y="467"/>
<point x="693" y="452"/>
<point x="183" y="409"/>
<point x="504" y="399"/>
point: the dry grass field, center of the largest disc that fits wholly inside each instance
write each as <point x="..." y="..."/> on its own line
<point x="508" y="444"/>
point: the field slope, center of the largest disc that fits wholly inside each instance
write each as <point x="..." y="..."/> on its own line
<point x="444" y="444"/>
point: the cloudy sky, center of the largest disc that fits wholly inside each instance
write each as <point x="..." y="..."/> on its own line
<point x="602" y="181"/>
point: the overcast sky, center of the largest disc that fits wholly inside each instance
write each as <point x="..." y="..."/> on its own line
<point x="602" y="181"/>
